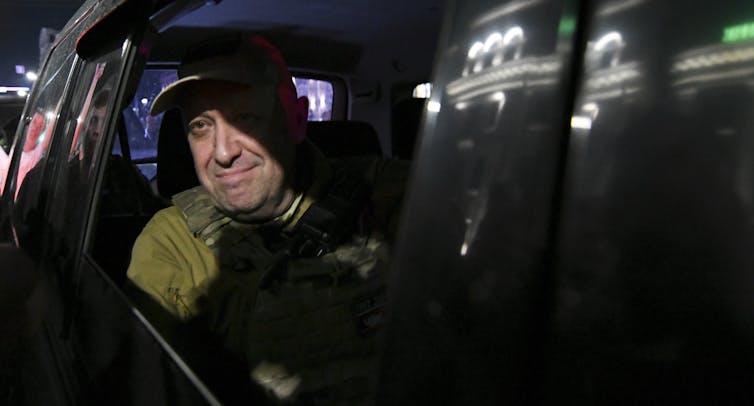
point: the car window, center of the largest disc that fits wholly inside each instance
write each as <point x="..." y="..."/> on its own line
<point x="422" y="91"/>
<point x="143" y="129"/>
<point x="320" y="94"/>
<point x="11" y="107"/>
<point x="39" y="126"/>
<point x="46" y="128"/>
<point x="92" y="102"/>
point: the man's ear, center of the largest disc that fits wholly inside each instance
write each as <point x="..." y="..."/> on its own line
<point x="299" y="119"/>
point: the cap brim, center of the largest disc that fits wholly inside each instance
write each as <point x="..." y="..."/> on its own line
<point x="168" y="97"/>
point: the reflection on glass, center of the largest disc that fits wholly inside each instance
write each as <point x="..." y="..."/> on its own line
<point x="740" y="32"/>
<point x="494" y="48"/>
<point x="36" y="143"/>
<point x="4" y="163"/>
<point x="495" y="73"/>
<point x="89" y="118"/>
<point x="567" y="26"/>
<point x="422" y="91"/>
<point x="722" y="71"/>
<point x="611" y="40"/>
<point x="618" y="6"/>
<point x="581" y="122"/>
<point x="585" y="117"/>
<point x="607" y="75"/>
<point x="504" y="10"/>
<point x="713" y="65"/>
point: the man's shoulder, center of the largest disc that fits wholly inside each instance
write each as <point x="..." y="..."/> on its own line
<point x="198" y="210"/>
<point x="169" y="214"/>
<point x="168" y="221"/>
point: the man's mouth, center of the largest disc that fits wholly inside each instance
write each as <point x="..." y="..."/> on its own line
<point x="233" y="176"/>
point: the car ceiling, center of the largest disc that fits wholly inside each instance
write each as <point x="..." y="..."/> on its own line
<point x="363" y="21"/>
<point x="338" y="30"/>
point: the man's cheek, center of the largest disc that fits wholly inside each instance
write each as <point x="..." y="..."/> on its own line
<point x="199" y="149"/>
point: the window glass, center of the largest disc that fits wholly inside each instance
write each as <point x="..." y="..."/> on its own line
<point x="319" y="93"/>
<point x="422" y="91"/>
<point x="91" y="107"/>
<point x="11" y="107"/>
<point x="143" y="129"/>
<point x="4" y="164"/>
<point x="39" y="125"/>
<point x="29" y="188"/>
<point x="38" y="129"/>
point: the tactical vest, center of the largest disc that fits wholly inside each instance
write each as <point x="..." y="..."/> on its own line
<point x="301" y="302"/>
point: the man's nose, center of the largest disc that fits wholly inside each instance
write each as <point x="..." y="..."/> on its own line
<point x="226" y="144"/>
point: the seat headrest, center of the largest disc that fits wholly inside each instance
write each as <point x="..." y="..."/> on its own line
<point x="338" y="138"/>
<point x="175" y="165"/>
<point x="404" y="128"/>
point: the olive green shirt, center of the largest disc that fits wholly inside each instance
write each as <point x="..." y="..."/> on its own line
<point x="315" y="332"/>
<point x="173" y="264"/>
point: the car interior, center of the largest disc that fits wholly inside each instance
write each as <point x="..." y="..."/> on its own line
<point x="366" y="74"/>
<point x="579" y="216"/>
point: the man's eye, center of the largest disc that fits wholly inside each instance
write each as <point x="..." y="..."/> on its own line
<point x="198" y="127"/>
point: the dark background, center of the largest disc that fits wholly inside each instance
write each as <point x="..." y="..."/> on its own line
<point x="20" y="24"/>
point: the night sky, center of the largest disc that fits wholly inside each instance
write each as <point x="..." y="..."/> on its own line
<point x="20" y="25"/>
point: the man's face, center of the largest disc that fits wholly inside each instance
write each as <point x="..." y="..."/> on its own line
<point x="242" y="151"/>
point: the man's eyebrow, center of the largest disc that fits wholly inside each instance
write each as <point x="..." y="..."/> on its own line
<point x="204" y="113"/>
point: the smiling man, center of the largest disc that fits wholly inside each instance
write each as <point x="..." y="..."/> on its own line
<point x="280" y="254"/>
<point x="245" y="175"/>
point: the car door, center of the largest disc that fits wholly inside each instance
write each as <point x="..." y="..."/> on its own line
<point x="80" y="340"/>
<point x="592" y="246"/>
<point x="469" y="297"/>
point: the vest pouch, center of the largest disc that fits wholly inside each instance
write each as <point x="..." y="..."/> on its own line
<point x="318" y="328"/>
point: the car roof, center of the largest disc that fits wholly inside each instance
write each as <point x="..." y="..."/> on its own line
<point x="363" y="21"/>
<point x="363" y="36"/>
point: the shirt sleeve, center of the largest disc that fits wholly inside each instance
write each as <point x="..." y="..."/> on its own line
<point x="170" y="264"/>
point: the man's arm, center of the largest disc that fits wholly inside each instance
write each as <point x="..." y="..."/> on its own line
<point x="170" y="264"/>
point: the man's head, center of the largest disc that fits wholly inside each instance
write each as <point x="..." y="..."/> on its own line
<point x="244" y="120"/>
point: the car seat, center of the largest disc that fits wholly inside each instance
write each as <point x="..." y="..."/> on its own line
<point x="404" y="126"/>
<point x="340" y="138"/>
<point x="175" y="165"/>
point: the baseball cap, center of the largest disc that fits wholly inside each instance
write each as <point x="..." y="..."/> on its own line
<point x="244" y="60"/>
